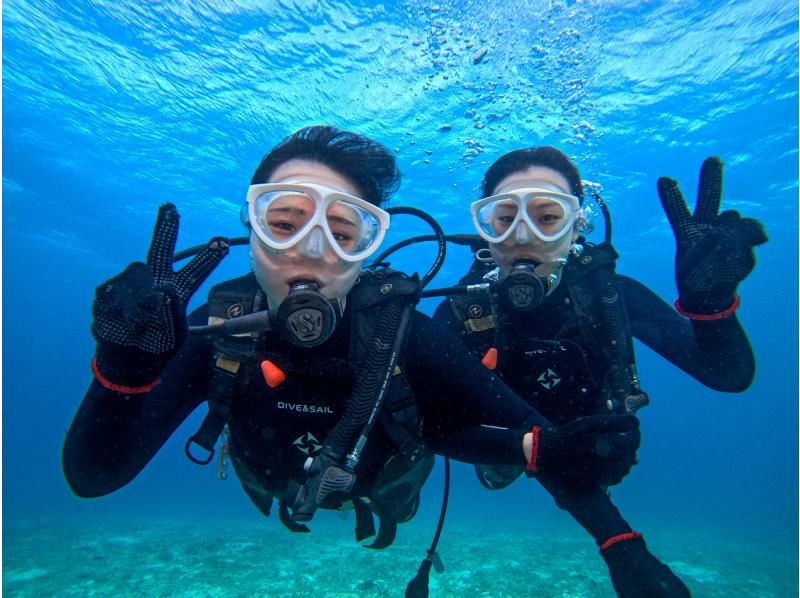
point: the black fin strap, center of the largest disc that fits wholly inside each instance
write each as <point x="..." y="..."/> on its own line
<point x="288" y="522"/>
<point x="387" y="528"/>
<point x="365" y="524"/>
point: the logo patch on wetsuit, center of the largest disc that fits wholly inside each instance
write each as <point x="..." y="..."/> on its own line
<point x="307" y="444"/>
<point x="235" y="310"/>
<point x="304" y="408"/>
<point x="475" y="311"/>
<point x="548" y="379"/>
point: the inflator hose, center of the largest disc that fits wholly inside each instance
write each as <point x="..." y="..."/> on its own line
<point x="368" y="383"/>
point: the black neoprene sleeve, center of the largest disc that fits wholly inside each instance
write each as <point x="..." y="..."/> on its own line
<point x="113" y="435"/>
<point x="468" y="413"/>
<point x="717" y="353"/>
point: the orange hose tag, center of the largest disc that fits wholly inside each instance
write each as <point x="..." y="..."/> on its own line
<point x="273" y="375"/>
<point x="490" y="359"/>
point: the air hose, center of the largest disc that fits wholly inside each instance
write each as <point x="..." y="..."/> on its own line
<point x="625" y="390"/>
<point x="371" y="383"/>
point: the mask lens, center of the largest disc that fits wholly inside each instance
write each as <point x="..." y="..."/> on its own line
<point x="548" y="216"/>
<point x="354" y="228"/>
<point x="496" y="217"/>
<point x="282" y="215"/>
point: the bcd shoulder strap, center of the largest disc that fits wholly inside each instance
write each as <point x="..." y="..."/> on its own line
<point x="368" y="299"/>
<point x="230" y="299"/>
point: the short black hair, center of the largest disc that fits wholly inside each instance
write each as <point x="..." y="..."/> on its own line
<point x="521" y="159"/>
<point x="364" y="162"/>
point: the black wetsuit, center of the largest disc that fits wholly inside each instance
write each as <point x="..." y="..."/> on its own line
<point x="273" y="431"/>
<point x="554" y="357"/>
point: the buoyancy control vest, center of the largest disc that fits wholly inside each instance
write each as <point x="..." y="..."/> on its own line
<point x="239" y="381"/>
<point x="581" y="365"/>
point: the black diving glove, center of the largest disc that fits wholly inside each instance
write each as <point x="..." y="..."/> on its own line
<point x="140" y="314"/>
<point x="599" y="449"/>
<point x="636" y="573"/>
<point x="327" y="486"/>
<point x="715" y="251"/>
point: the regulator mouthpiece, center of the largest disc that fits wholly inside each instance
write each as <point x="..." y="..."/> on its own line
<point x="306" y="318"/>
<point x="522" y="289"/>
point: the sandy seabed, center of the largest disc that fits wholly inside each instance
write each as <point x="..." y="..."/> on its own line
<point x="201" y="559"/>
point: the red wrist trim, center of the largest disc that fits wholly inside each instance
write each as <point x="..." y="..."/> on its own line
<point x="619" y="538"/>
<point x="128" y="390"/>
<point x="706" y="317"/>
<point x="532" y="466"/>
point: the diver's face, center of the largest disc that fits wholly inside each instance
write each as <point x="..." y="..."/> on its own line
<point x="526" y="245"/>
<point x="277" y="270"/>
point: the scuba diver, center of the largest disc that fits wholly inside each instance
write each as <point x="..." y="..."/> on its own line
<point x="545" y="310"/>
<point x="320" y="375"/>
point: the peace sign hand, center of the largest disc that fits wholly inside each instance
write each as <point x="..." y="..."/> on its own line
<point x="140" y="314"/>
<point x="714" y="251"/>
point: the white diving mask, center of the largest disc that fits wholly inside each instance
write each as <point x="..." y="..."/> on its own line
<point x="549" y="215"/>
<point x="284" y="215"/>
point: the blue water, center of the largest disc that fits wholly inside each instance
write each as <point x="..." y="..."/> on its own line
<point x="112" y="107"/>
